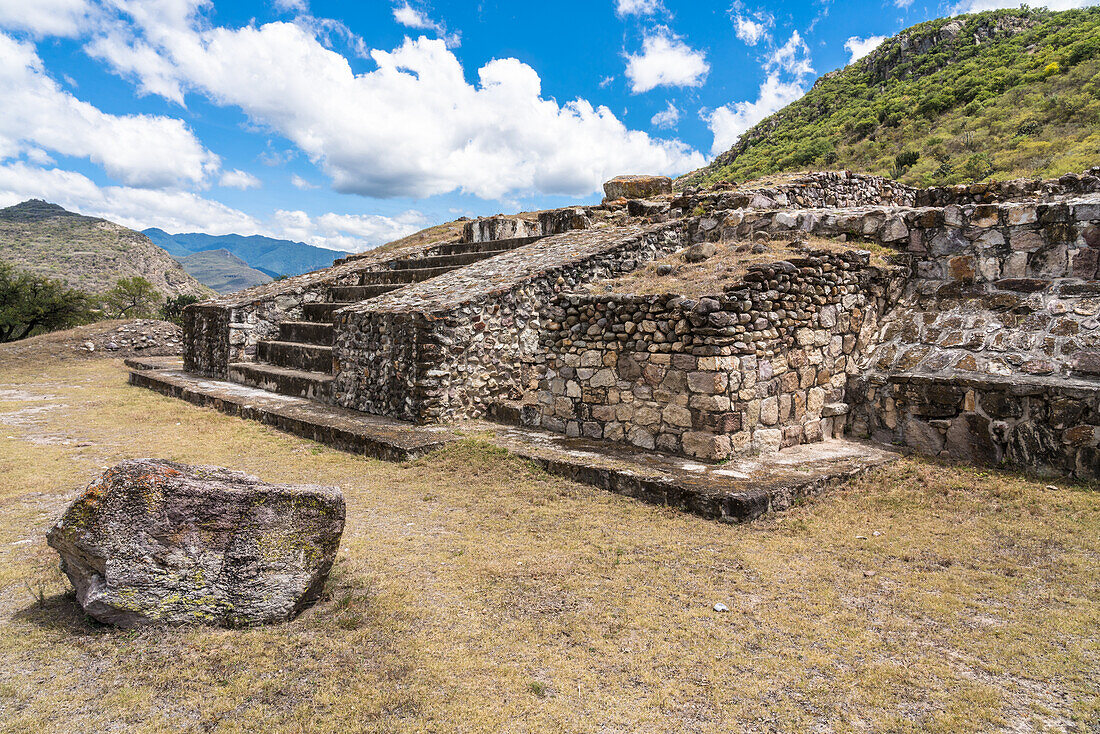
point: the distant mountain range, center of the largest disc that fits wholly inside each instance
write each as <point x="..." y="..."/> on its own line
<point x="270" y="256"/>
<point x="223" y="271"/>
<point x="87" y="252"/>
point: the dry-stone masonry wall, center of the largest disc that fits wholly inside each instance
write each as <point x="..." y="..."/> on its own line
<point x="225" y="330"/>
<point x="449" y="347"/>
<point x="998" y="331"/>
<point x="760" y="367"/>
<point x="1046" y="424"/>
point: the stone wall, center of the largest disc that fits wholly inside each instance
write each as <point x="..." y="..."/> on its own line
<point x="830" y="189"/>
<point x="760" y="367"/>
<point x="449" y="347"/>
<point x="999" y="289"/>
<point x="992" y="354"/>
<point x="1043" y="424"/>
<point x="225" y="330"/>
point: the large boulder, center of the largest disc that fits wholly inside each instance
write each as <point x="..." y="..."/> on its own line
<point x="637" y="187"/>
<point x="155" y="542"/>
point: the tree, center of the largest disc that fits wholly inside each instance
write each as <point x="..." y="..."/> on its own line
<point x="30" y="303"/>
<point x="131" y="298"/>
<point x="172" y="310"/>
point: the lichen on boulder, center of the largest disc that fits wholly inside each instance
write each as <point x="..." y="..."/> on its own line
<point x="156" y="542"/>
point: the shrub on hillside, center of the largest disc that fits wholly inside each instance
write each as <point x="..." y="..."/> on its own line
<point x="31" y="304"/>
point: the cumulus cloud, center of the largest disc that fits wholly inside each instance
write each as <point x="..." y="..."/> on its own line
<point x="137" y="150"/>
<point x="184" y="211"/>
<point x="665" y="61"/>
<point x="728" y="123"/>
<point x="412" y="127"/>
<point x="349" y="232"/>
<point x="300" y="183"/>
<point x="410" y="17"/>
<point x="749" y="30"/>
<point x="667" y="117"/>
<point x="45" y="17"/>
<point x="860" y="47"/>
<point x="237" y="179"/>
<point x="786" y="69"/>
<point x="174" y="211"/>
<point x="638" y="7"/>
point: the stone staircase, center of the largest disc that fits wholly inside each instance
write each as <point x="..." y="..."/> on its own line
<point x="299" y="363"/>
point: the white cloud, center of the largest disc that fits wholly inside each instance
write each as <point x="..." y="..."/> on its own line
<point x="137" y="150"/>
<point x="349" y="232"/>
<point x="903" y="4"/>
<point x="301" y="184"/>
<point x="410" y="17"/>
<point x="413" y="126"/>
<point x="787" y="68"/>
<point x="667" y="117"/>
<point x="793" y="57"/>
<point x="728" y="123"/>
<point x="45" y="17"/>
<point x="665" y="61"/>
<point x="748" y="30"/>
<point x="292" y="6"/>
<point x="237" y="179"/>
<point x="860" y="47"/>
<point x="976" y="6"/>
<point x="182" y="211"/>
<point x="638" y="7"/>
<point x="174" y="211"/>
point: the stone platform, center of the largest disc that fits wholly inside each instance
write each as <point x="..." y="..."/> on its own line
<point x="736" y="491"/>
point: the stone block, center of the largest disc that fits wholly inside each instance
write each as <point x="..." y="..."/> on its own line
<point x="703" y="445"/>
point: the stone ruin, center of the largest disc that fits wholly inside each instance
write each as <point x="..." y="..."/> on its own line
<point x="976" y="337"/>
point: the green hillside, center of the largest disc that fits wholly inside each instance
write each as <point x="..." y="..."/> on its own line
<point x="223" y="271"/>
<point x="1001" y="94"/>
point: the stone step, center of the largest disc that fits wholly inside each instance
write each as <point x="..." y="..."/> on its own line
<point x="306" y="332"/>
<point x="322" y="312"/>
<point x="439" y="261"/>
<point x="295" y="383"/>
<point x="356" y="293"/>
<point x="295" y="356"/>
<point x="459" y="248"/>
<point x="409" y="275"/>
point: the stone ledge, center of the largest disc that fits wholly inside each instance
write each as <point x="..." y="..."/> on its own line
<point x="734" y="492"/>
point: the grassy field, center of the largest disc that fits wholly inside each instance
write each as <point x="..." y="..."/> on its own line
<point x="475" y="594"/>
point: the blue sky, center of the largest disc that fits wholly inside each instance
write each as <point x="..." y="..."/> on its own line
<point x="347" y="125"/>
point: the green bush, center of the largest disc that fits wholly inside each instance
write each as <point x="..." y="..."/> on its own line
<point x="31" y="304"/>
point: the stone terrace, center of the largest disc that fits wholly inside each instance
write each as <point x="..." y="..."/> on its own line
<point x="977" y="342"/>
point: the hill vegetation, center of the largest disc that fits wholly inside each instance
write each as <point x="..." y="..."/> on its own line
<point x="1000" y="94"/>
<point x="268" y="255"/>
<point x="87" y="253"/>
<point x="223" y="271"/>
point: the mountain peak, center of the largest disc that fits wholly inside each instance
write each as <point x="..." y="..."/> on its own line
<point x="34" y="210"/>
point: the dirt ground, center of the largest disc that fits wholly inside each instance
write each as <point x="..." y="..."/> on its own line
<point x="473" y="593"/>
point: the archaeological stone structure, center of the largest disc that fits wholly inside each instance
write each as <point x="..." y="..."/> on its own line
<point x="959" y="322"/>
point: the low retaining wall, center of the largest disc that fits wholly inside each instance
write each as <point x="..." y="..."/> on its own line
<point x="1048" y="425"/>
<point x="447" y="348"/>
<point x="760" y="367"/>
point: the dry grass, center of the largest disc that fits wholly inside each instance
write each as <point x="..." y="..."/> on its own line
<point x="475" y="594"/>
<point x="729" y="264"/>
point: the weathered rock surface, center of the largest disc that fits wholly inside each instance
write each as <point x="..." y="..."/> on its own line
<point x="155" y="542"/>
<point x="637" y="187"/>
